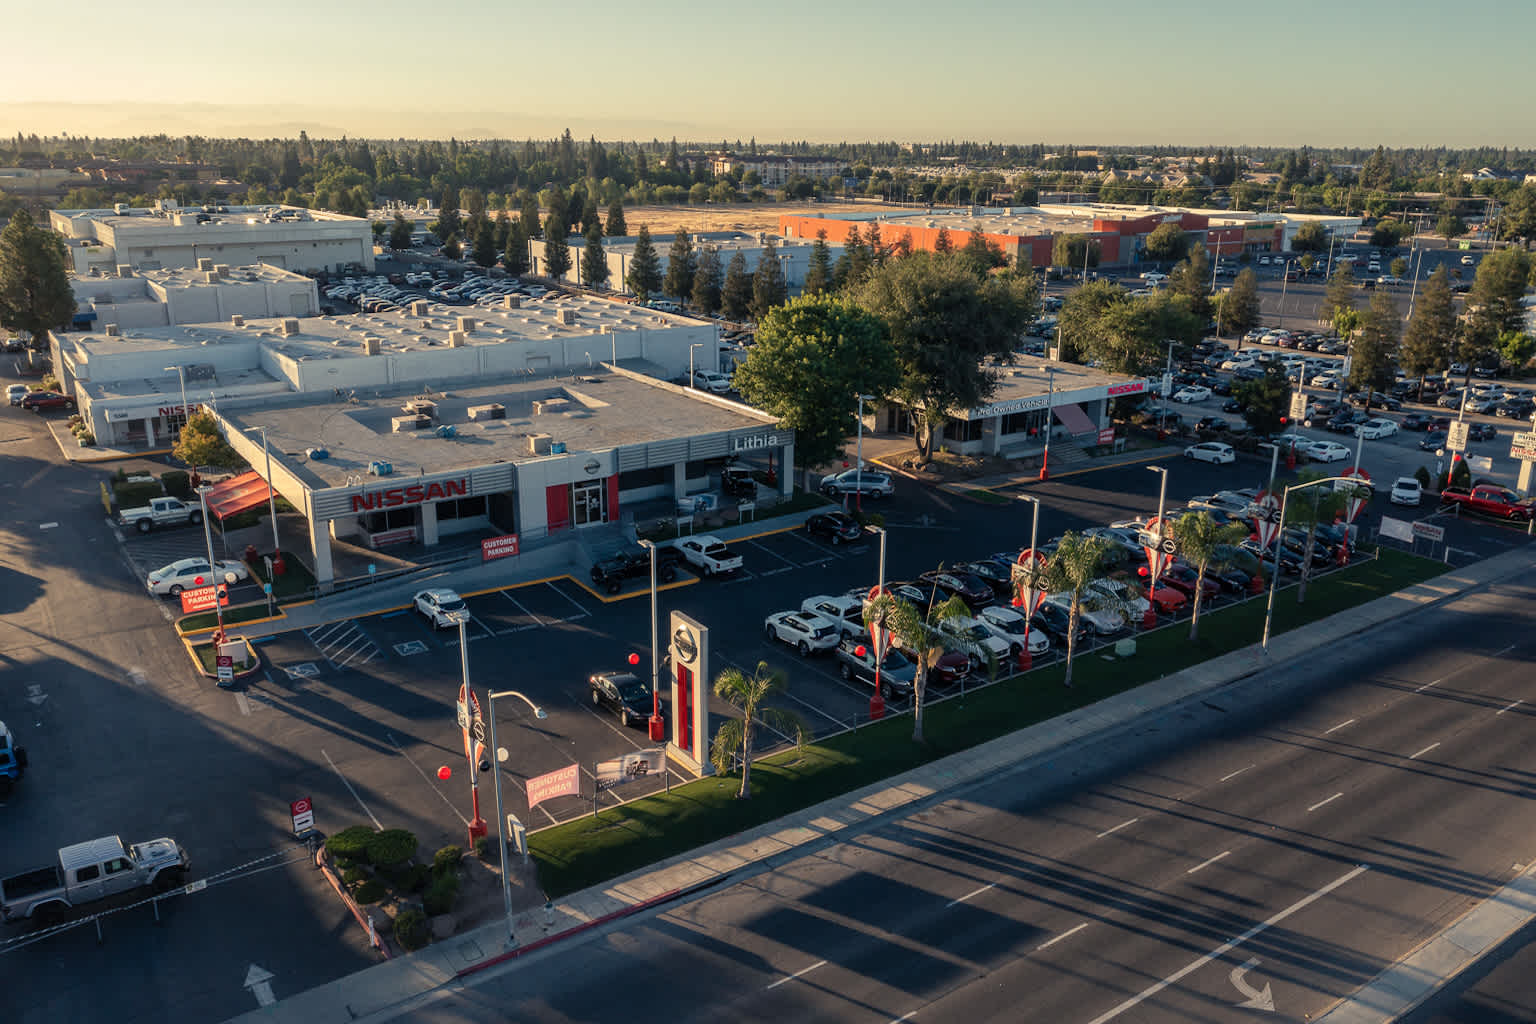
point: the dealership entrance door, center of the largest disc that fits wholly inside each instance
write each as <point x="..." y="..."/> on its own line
<point x="589" y="502"/>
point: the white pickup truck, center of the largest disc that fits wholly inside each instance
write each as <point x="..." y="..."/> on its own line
<point x="708" y="554"/>
<point x="91" y="871"/>
<point x="160" y="512"/>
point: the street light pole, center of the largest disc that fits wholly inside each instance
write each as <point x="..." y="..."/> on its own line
<point x="277" y="556"/>
<point x="697" y="344"/>
<point x="858" y="497"/>
<point x="1034" y="535"/>
<point x="218" y="608"/>
<point x="1274" y="576"/>
<point x="657" y="727"/>
<point x="501" y="817"/>
<point x="1050" y="397"/>
<point x="1154" y="570"/>
<point x="181" y="375"/>
<point x="477" y="825"/>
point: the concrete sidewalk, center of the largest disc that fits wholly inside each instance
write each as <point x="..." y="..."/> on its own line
<point x="389" y="989"/>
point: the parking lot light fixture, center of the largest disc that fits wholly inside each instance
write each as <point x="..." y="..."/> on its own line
<point x="501" y="816"/>
<point x="477" y="826"/>
<point x="697" y="344"/>
<point x="859" y="453"/>
<point x="1152" y="573"/>
<point x="181" y="375"/>
<point x="218" y="608"/>
<point x="277" y="551"/>
<point x="657" y="725"/>
<point x="1034" y="536"/>
<point x="1050" y="397"/>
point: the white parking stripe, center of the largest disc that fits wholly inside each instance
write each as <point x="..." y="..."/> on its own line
<point x="579" y="606"/>
<point x="772" y="553"/>
<point x="524" y="610"/>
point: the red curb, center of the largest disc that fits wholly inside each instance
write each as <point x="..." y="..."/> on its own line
<point x="513" y="954"/>
<point x="346" y="898"/>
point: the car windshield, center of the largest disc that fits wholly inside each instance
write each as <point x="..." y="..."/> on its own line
<point x="453" y="605"/>
<point x="821" y="632"/>
<point x="632" y="690"/>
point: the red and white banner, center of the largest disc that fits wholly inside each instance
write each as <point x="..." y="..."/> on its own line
<point x="560" y="782"/>
<point x="1159" y="547"/>
<point x="201" y="599"/>
<point x="1266" y="518"/>
<point x="504" y="546"/>
<point x="1358" y="495"/>
<point x="1026" y="575"/>
<point x="472" y="725"/>
<point x="879" y="636"/>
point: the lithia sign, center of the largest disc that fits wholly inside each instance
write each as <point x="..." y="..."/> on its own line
<point x="757" y="442"/>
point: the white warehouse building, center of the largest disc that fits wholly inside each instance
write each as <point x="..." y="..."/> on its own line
<point x="180" y="295"/>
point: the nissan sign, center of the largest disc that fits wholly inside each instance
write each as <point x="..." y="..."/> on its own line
<point x="411" y="494"/>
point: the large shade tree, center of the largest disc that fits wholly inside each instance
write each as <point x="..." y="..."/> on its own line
<point x="35" y="296"/>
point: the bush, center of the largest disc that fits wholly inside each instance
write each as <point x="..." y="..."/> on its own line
<point x="447" y="859"/>
<point x="177" y="483"/>
<point x="134" y="495"/>
<point x="351" y="843"/>
<point x="1422" y="476"/>
<point x="411" y="929"/>
<point x="88" y="437"/>
<point x="355" y="875"/>
<point x="370" y="891"/>
<point x="391" y="846"/>
<point x="413" y="878"/>
<point x="483" y="848"/>
<point x="441" y="894"/>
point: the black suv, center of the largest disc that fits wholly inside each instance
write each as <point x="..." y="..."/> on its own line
<point x="738" y="482"/>
<point x="611" y="572"/>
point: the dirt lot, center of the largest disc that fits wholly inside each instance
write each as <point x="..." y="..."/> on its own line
<point x="665" y="220"/>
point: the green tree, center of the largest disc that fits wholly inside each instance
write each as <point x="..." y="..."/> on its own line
<point x="1305" y="511"/>
<point x="812" y="358"/>
<point x="856" y="262"/>
<point x="1068" y="251"/>
<point x="1166" y="243"/>
<point x="594" y="261"/>
<point x="768" y="286"/>
<point x="736" y="292"/>
<point x="1077" y="561"/>
<point x="1205" y="545"/>
<point x="1374" y="351"/>
<point x="1131" y="335"/>
<point x="682" y="265"/>
<point x="942" y="242"/>
<point x="1494" y="306"/>
<point x="1340" y="293"/>
<point x="1266" y="400"/>
<point x="1517" y="221"/>
<point x="515" y="258"/>
<point x="1431" y="335"/>
<point x="644" y="275"/>
<point x="708" y="280"/>
<point x="557" y="249"/>
<point x="1398" y="267"/>
<point x="616" y="228"/>
<point x="400" y="233"/>
<point x="925" y="635"/>
<point x="500" y="228"/>
<point x="1310" y="237"/>
<point x="1191" y="278"/>
<point x="201" y="444"/>
<point x="981" y="255"/>
<point x="818" y="275"/>
<point x="1389" y="233"/>
<point x="946" y="324"/>
<point x="448" y="214"/>
<point x="736" y="737"/>
<point x="35" y="295"/>
<point x="1239" y="310"/>
<point x="1450" y="225"/>
<point x="530" y="218"/>
<point x="589" y="217"/>
<point x="451" y="247"/>
<point x="485" y="243"/>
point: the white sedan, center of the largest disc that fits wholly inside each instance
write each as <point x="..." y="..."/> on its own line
<point x="1192" y="393"/>
<point x="1371" y="430"/>
<point x="441" y="606"/>
<point x="1092" y="610"/>
<point x="804" y="631"/>
<point x="191" y="573"/>
<point x="1327" y="451"/>
<point x="1010" y="625"/>
<point x="1211" y="451"/>
<point x="1407" y="491"/>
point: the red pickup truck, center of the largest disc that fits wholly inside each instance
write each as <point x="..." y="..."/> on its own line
<point x="1490" y="500"/>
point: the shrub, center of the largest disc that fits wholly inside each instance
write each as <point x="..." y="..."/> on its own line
<point x="370" y="891"/>
<point x="134" y="495"/>
<point x="391" y="846"/>
<point x="88" y="437"/>
<point x="177" y="482"/>
<point x="354" y="875"/>
<point x="447" y="859"/>
<point x="411" y="929"/>
<point x="343" y="864"/>
<point x="413" y="878"/>
<point x="351" y="843"/>
<point x="441" y="894"/>
<point x="1422" y="476"/>
<point x="483" y="848"/>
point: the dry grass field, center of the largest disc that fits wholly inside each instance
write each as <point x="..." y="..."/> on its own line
<point x="665" y="220"/>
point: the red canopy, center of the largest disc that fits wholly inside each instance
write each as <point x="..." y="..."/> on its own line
<point x="237" y="494"/>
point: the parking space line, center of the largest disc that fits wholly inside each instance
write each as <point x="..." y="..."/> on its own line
<point x="774" y="554"/>
<point x="537" y="620"/>
<point x="782" y="568"/>
<point x="1070" y="931"/>
<point x="808" y="542"/>
<point x="579" y="606"/>
<point x="427" y="779"/>
<point x="376" y="823"/>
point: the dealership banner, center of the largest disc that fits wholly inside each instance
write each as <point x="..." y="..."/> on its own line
<point x="560" y="782"/>
<point x="630" y="767"/>
<point x="492" y="548"/>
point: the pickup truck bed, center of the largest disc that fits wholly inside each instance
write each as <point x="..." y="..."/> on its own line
<point x="30" y="883"/>
<point x="1489" y="500"/>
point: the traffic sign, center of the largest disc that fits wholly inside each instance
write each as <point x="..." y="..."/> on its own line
<point x="1456" y="436"/>
<point x="303" y="812"/>
<point x="1298" y="406"/>
<point x="463" y="714"/>
<point x="226" y="666"/>
<point x="1359" y="492"/>
<point x="477" y="728"/>
<point x="1523" y="446"/>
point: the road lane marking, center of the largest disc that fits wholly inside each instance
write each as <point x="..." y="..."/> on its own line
<point x="1509" y="707"/>
<point x="1233" y="775"/>
<point x="431" y="782"/>
<point x="782" y="568"/>
<point x="1436" y="682"/>
<point x="1208" y="863"/>
<point x="47" y="526"/>
<point x="792" y="977"/>
<point x="973" y="892"/>
<point x="1426" y="750"/>
<point x="1228" y="946"/>
<point x="1324" y="803"/>
<point x="1117" y="828"/>
<point x="376" y="822"/>
<point x="1340" y="726"/>
<point x="1070" y="931"/>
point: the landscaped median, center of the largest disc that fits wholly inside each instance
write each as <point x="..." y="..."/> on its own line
<point x="583" y="853"/>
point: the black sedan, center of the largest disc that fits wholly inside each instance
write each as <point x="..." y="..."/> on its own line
<point x="1515" y="408"/>
<point x="835" y="527"/>
<point x="1482" y="432"/>
<point x="1212" y="423"/>
<point x="968" y="587"/>
<point x="624" y="693"/>
<point x="1052" y="620"/>
<point x="1345" y="422"/>
<point x="998" y="575"/>
<point x="1231" y="405"/>
<point x="1416" y="421"/>
<point x="1432" y="441"/>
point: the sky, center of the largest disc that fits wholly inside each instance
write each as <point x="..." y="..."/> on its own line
<point x="1067" y="72"/>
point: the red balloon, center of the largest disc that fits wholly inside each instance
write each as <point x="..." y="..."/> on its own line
<point x="634" y="659"/>
<point x="445" y="773"/>
<point x="859" y="650"/>
<point x="845" y="463"/>
<point x="198" y="580"/>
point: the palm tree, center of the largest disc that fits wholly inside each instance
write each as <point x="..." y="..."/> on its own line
<point x="736" y="735"/>
<point x="1325" y="507"/>
<point x="925" y="636"/>
<point x="1077" y="562"/>
<point x="1201" y="542"/>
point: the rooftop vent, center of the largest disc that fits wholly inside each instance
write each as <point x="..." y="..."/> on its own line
<point x="237" y="320"/>
<point x="112" y="331"/>
<point x="204" y="263"/>
<point x="550" y="405"/>
<point x="538" y="444"/>
<point x="124" y="270"/>
<point x="290" y="326"/>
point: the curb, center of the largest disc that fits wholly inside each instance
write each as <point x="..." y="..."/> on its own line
<point x="376" y="937"/>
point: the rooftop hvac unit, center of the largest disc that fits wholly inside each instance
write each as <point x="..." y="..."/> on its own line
<point x="557" y="447"/>
<point x="121" y="209"/>
<point x="124" y="270"/>
<point x="512" y="301"/>
<point x="237" y="321"/>
<point x="405" y="424"/>
<point x="371" y="346"/>
<point x="466" y="324"/>
<point x="112" y="331"/>
<point x="421" y="407"/>
<point x="538" y="444"/>
<point x="222" y="270"/>
<point x="550" y="405"/>
<point x="567" y="316"/>
<point x="487" y="412"/>
<point x="447" y="430"/>
<point x="456" y="339"/>
<point x="204" y="263"/>
<point x="419" y="307"/>
<point x="290" y="326"/>
<point x="380" y="468"/>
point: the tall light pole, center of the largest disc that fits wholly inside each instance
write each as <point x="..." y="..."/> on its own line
<point x="1269" y="610"/>
<point x="1050" y="397"/>
<point x="657" y="726"/>
<point x="1162" y="410"/>
<point x="1153" y="571"/>
<point x="218" y="607"/>
<point x="477" y="825"/>
<point x="1034" y="535"/>
<point x="859" y="494"/>
<point x="181" y="375"/>
<point x="697" y="344"/>
<point x="277" y="551"/>
<point x="499" y="755"/>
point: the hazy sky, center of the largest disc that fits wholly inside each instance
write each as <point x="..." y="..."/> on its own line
<point x="1320" y="72"/>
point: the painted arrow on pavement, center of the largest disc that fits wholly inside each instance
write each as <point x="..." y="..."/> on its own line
<point x="1255" y="999"/>
<point x="259" y="981"/>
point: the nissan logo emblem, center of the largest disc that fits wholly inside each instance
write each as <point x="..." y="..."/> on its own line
<point x="686" y="646"/>
<point x="592" y="467"/>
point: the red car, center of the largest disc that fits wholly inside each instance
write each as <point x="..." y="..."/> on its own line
<point x="1183" y="578"/>
<point x="37" y="401"/>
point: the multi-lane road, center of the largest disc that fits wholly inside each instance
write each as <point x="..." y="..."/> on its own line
<point x="1274" y="845"/>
